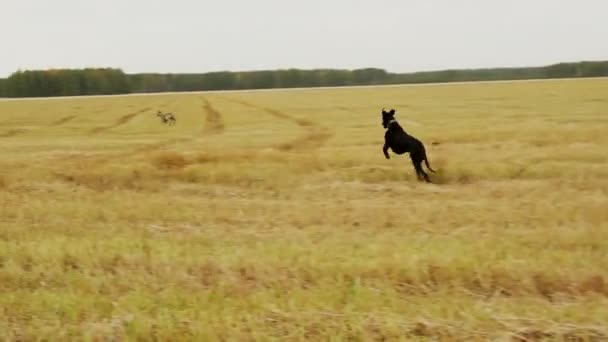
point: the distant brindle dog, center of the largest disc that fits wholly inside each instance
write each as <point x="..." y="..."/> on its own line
<point x="400" y="142"/>
<point x="166" y="118"/>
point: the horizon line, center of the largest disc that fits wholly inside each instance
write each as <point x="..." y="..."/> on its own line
<point x="255" y="90"/>
<point x="316" y="68"/>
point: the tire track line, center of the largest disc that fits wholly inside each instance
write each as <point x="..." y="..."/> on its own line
<point x="121" y="121"/>
<point x="13" y="132"/>
<point x="18" y="131"/>
<point x="62" y="121"/>
<point x="214" y="123"/>
<point x="313" y="138"/>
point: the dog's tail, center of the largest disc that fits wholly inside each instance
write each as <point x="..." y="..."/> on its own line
<point x="426" y="161"/>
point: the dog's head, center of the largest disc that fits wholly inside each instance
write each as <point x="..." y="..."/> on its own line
<point x="387" y="117"/>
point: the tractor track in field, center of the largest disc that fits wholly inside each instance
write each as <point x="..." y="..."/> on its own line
<point x="62" y="121"/>
<point x="157" y="146"/>
<point x="314" y="135"/>
<point x="13" y="132"/>
<point x="18" y="131"/>
<point x="121" y="121"/>
<point x="214" y="122"/>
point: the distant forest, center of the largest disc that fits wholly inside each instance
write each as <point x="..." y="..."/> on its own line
<point x="106" y="81"/>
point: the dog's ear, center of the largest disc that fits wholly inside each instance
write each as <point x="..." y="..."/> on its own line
<point x="392" y="112"/>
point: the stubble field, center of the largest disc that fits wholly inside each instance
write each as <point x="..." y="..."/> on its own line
<point x="274" y="215"/>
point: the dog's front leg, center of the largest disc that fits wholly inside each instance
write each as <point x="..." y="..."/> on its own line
<point x="385" y="151"/>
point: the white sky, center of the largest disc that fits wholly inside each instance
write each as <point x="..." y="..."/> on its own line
<point x="207" y="35"/>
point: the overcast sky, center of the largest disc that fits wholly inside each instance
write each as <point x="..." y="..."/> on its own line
<point x="208" y="35"/>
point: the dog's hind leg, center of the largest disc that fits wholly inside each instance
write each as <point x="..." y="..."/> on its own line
<point x="417" y="161"/>
<point x="416" y="167"/>
<point x="422" y="173"/>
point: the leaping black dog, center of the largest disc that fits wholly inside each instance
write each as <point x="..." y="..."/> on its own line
<point x="400" y="142"/>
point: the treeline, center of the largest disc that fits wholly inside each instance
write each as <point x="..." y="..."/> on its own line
<point x="561" y="70"/>
<point x="66" y="82"/>
<point x="265" y="79"/>
<point x="3" y="87"/>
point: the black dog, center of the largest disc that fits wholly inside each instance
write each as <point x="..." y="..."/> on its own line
<point x="400" y="142"/>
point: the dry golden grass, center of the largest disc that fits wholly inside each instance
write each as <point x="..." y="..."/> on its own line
<point x="274" y="215"/>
